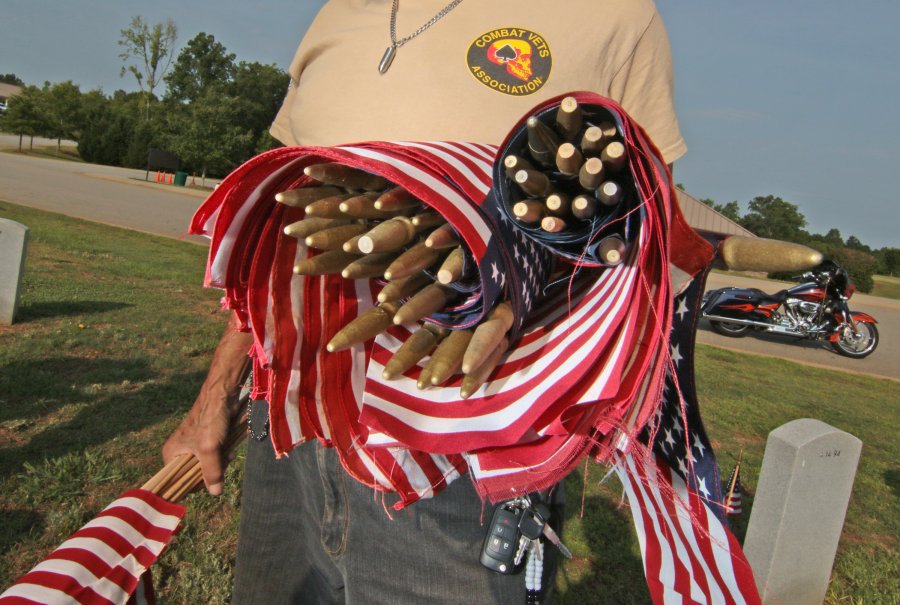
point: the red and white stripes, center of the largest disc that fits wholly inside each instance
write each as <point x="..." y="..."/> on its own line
<point x="689" y="556"/>
<point x="103" y="561"/>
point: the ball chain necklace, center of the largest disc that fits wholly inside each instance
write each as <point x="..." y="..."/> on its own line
<point x="391" y="50"/>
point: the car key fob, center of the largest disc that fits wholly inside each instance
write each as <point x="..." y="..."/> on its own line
<point x="501" y="543"/>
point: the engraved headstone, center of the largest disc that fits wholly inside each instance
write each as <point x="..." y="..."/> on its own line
<point x="13" y="243"/>
<point x="798" y="512"/>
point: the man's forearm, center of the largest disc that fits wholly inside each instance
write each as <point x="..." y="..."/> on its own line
<point x="228" y="367"/>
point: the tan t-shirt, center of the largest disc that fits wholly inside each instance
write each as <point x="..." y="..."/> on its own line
<point x="476" y="71"/>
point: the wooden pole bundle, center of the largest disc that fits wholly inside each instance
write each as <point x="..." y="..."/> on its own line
<point x="403" y="287"/>
<point x="182" y="474"/>
<point x="363" y="227"/>
<point x="475" y="378"/>
<point x="328" y="207"/>
<point x="368" y="265"/>
<point x="577" y="159"/>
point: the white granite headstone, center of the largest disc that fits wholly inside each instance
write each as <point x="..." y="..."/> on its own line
<point x="13" y="244"/>
<point x="798" y="512"/>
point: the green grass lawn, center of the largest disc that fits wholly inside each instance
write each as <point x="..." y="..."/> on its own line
<point x="112" y="342"/>
<point x="886" y="287"/>
<point x="66" y="152"/>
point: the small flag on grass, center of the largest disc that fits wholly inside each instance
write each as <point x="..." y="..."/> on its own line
<point x="734" y="490"/>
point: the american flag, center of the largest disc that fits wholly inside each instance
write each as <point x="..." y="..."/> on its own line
<point x="589" y="358"/>
<point x="689" y="555"/>
<point x="106" y="561"/>
<point x="677" y="431"/>
<point x="672" y="485"/>
<point x="735" y="492"/>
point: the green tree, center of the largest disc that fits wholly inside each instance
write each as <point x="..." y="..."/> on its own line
<point x="151" y="51"/>
<point x="25" y="116"/>
<point x="833" y="237"/>
<point x="854" y="243"/>
<point x="203" y="64"/>
<point x="860" y="265"/>
<point x="207" y="135"/>
<point x="772" y="217"/>
<point x="145" y="134"/>
<point x="259" y="89"/>
<point x="731" y="210"/>
<point x="109" y="125"/>
<point x="888" y="261"/>
<point x="61" y="104"/>
<point x="11" y="79"/>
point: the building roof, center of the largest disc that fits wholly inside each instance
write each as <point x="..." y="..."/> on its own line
<point x="703" y="218"/>
<point x="9" y="90"/>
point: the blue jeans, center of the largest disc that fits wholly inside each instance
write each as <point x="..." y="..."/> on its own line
<point x="309" y="533"/>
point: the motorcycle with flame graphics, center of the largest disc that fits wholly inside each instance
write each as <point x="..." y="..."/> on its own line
<point x="816" y="309"/>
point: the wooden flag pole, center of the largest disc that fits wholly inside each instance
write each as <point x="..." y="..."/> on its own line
<point x="734" y="476"/>
<point x="183" y="474"/>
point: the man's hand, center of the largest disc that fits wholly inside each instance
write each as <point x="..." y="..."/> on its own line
<point x="203" y="431"/>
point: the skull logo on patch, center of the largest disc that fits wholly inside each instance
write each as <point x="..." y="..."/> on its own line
<point x="510" y="60"/>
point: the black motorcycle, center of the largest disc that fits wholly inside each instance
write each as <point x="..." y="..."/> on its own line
<point x="816" y="309"/>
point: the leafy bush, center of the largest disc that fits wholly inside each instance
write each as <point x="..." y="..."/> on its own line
<point x="860" y="265"/>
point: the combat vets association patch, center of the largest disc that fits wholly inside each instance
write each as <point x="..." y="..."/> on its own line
<point x="510" y="60"/>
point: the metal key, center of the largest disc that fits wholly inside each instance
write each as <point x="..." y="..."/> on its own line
<point x="531" y="526"/>
<point x="521" y="549"/>
<point x="543" y="513"/>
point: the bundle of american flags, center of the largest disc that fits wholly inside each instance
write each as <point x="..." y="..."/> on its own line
<point x="589" y="361"/>
<point x="590" y="367"/>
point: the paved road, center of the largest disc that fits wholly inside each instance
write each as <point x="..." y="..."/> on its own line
<point x="121" y="197"/>
<point x="105" y="194"/>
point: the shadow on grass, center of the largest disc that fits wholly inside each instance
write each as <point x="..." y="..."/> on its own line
<point x="614" y="573"/>
<point x="50" y="310"/>
<point x="109" y="414"/>
<point x="892" y="479"/>
<point x="17" y="524"/>
<point x="35" y="388"/>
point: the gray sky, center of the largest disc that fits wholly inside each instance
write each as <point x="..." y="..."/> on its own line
<point x="796" y="99"/>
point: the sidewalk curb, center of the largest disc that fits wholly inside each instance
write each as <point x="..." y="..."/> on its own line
<point x="201" y="194"/>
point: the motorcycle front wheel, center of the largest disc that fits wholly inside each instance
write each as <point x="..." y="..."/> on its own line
<point x="857" y="345"/>
<point x="727" y="329"/>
